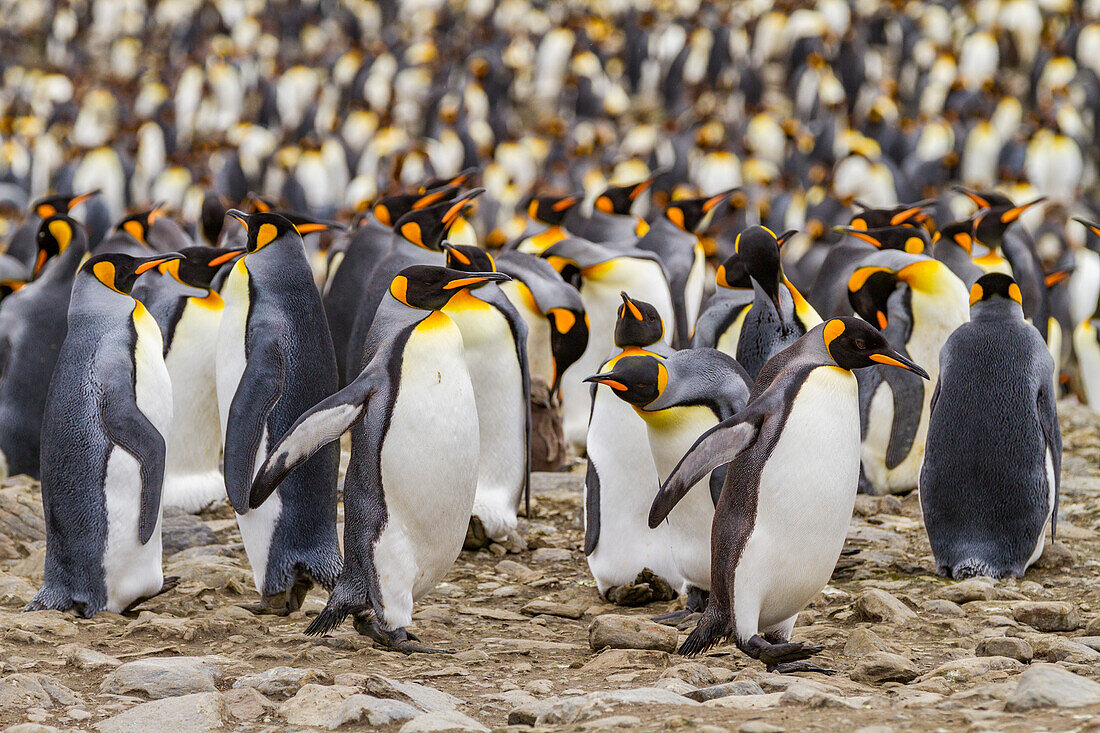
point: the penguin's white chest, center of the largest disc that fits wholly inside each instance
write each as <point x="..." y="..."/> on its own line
<point x="429" y="466"/>
<point x="806" y="493"/>
<point x="133" y="570"/>
<point x="232" y="332"/>
<point x="540" y="359"/>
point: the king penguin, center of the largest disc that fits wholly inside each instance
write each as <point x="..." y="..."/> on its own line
<point x="991" y="475"/>
<point x="621" y="554"/>
<point x="33" y="324"/>
<point x="680" y="398"/>
<point x="112" y="396"/>
<point x="719" y="325"/>
<point x="180" y="297"/>
<point x="494" y="336"/>
<point x="414" y="444"/>
<point x="22" y="245"/>
<point x="790" y="487"/>
<point x="275" y="361"/>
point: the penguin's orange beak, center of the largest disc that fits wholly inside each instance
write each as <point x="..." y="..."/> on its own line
<point x="150" y="264"/>
<point x="469" y="282"/>
<point x="893" y="358"/>
<point x="1014" y="213"/>
<point x="608" y="380"/>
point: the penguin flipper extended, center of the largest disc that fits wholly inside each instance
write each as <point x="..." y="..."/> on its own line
<point x="260" y="387"/>
<point x="127" y="427"/>
<point x="907" y="390"/>
<point x="1048" y="419"/>
<point x="317" y="427"/>
<point x="719" y="445"/>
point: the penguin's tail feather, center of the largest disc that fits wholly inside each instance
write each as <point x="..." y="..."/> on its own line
<point x="712" y="628"/>
<point x="332" y="615"/>
<point x="972" y="568"/>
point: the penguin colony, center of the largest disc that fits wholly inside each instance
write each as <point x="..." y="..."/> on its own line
<point x="745" y="259"/>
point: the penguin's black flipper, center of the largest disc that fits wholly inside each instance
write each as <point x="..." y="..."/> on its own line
<point x="1048" y="419"/>
<point x="317" y="427"/>
<point x="127" y="427"/>
<point x="719" y="445"/>
<point x="260" y="387"/>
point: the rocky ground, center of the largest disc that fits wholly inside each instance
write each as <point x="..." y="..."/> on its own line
<point x="912" y="651"/>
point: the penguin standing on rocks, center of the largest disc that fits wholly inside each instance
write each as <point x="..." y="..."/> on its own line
<point x="631" y="565"/>
<point x="33" y="324"/>
<point x="189" y="323"/>
<point x="275" y="361"/>
<point x="495" y="338"/>
<point x="414" y="446"/>
<point x="680" y="398"/>
<point x="779" y="315"/>
<point x="112" y="396"/>
<point x="991" y="475"/>
<point x="790" y="487"/>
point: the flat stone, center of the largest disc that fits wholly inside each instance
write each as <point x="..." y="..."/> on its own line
<point x="281" y="682"/>
<point x="85" y="658"/>
<point x="551" y="554"/>
<point x="31" y="728"/>
<point x="716" y="692"/>
<point x="427" y="699"/>
<point x="245" y="703"/>
<point x="943" y="608"/>
<point x="971" y="589"/>
<point x="159" y="677"/>
<point x="613" y="721"/>
<point x="1048" y="615"/>
<point x="759" y="726"/>
<point x="23" y="690"/>
<point x="696" y="674"/>
<point x="966" y="669"/>
<point x="1056" y="649"/>
<point x="880" y="667"/>
<point x="630" y="632"/>
<point x="540" y="607"/>
<point x="1005" y="646"/>
<point x="450" y="720"/>
<point x="881" y="607"/>
<point x="182" y="531"/>
<point x="1092" y="642"/>
<point x="862" y="642"/>
<point x="194" y="713"/>
<point x="611" y="659"/>
<point x="316" y="705"/>
<point x="1051" y="686"/>
<point x="570" y="709"/>
<point x="517" y="572"/>
<point x="1056" y="555"/>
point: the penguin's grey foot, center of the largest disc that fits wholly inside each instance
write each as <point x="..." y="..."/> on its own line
<point x="673" y="618"/>
<point x="792" y="667"/>
<point x="775" y="654"/>
<point x="34" y="606"/>
<point x="284" y="603"/>
<point x="476" y="536"/>
<point x="399" y="640"/>
<point x="646" y="588"/>
<point x="168" y="584"/>
<point x="696" y="603"/>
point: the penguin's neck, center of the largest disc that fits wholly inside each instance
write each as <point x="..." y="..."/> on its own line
<point x="998" y="309"/>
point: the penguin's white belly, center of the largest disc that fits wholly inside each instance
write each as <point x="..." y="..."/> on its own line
<point x="576" y="399"/>
<point x="618" y="448"/>
<point x="1041" y="543"/>
<point x="494" y="370"/>
<point x="1088" y="357"/>
<point x="693" y="290"/>
<point x="192" y="475"/>
<point x="429" y="465"/>
<point x="1084" y="284"/>
<point x="727" y="340"/>
<point x="133" y="570"/>
<point x="672" y="432"/>
<point x="806" y="494"/>
<point x="540" y="360"/>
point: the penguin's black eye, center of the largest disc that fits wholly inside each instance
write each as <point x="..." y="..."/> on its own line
<point x="860" y="344"/>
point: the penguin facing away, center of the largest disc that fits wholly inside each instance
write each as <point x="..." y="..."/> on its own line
<point x="680" y="398"/>
<point x="111" y="394"/>
<point x="414" y="427"/>
<point x="33" y="324"/>
<point x="495" y="338"/>
<point x="790" y="487"/>
<point x="991" y="473"/>
<point x="275" y="361"/>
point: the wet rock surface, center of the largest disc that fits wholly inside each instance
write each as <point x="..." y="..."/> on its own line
<point x="911" y="650"/>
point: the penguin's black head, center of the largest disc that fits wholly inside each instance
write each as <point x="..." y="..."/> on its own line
<point x="906" y="214"/>
<point x="49" y="206"/>
<point x="212" y="218"/>
<point x="430" y="287"/>
<point x="985" y="199"/>
<point x="620" y="199"/>
<point x="426" y="227"/>
<point x="907" y="239"/>
<point x="638" y="323"/>
<point x="55" y="235"/>
<point x="263" y="228"/>
<point x="390" y="209"/>
<point x="199" y="265"/>
<point x="995" y="285"/>
<point x="869" y="291"/>
<point x="689" y="214"/>
<point x="732" y="274"/>
<point x="552" y="210"/>
<point x="137" y="226"/>
<point x="466" y="258"/>
<point x="990" y="224"/>
<point x="568" y="340"/>
<point x="638" y="380"/>
<point x="959" y="232"/>
<point x="758" y="249"/>
<point x="119" y="271"/>
<point x="853" y="344"/>
<point x="1094" y="228"/>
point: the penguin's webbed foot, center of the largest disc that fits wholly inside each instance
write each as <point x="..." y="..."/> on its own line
<point x="399" y="640"/>
<point x="284" y="603"/>
<point x="673" y="618"/>
<point x="696" y="604"/>
<point x="803" y="666"/>
<point x="476" y="536"/>
<point x="646" y="588"/>
<point x="774" y="655"/>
